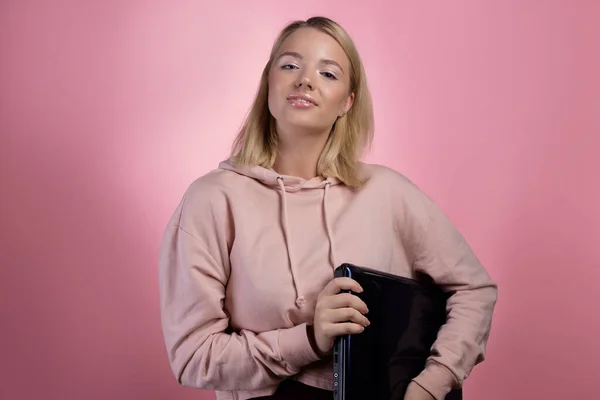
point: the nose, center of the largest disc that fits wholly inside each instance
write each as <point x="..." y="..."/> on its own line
<point x="304" y="81"/>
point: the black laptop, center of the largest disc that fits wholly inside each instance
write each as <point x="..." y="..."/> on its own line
<point x="405" y="316"/>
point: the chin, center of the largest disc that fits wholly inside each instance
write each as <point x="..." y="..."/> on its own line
<point x="304" y="122"/>
<point x="305" y="126"/>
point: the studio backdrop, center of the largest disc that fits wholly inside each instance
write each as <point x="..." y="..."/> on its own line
<point x="110" y="109"/>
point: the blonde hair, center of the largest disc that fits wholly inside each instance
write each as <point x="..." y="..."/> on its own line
<point x="351" y="135"/>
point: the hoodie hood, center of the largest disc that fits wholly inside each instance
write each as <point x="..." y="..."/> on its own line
<point x="289" y="184"/>
<point x="271" y="178"/>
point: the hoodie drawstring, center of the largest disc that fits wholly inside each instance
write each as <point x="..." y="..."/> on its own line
<point x="328" y="228"/>
<point x="300" y="300"/>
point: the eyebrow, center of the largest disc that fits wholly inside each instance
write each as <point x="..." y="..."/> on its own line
<point x="299" y="56"/>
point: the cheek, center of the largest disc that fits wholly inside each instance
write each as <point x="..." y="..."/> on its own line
<point x="272" y="96"/>
<point x="276" y="81"/>
<point x="338" y="99"/>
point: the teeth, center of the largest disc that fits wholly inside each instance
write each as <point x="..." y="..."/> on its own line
<point x="302" y="101"/>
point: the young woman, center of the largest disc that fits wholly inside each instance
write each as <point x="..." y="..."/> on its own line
<point x="249" y="304"/>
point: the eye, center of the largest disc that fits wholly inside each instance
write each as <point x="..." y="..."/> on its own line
<point x="329" y="75"/>
<point x="288" y="66"/>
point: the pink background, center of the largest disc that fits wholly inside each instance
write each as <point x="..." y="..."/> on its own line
<point x="109" y="109"/>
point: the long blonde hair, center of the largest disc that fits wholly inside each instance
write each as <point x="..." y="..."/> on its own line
<point x="351" y="135"/>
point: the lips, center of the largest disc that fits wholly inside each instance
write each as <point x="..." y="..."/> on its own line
<point x="299" y="99"/>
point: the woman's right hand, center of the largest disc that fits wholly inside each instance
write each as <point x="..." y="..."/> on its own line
<point x="338" y="314"/>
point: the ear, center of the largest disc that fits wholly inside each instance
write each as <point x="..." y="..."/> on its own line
<point x="347" y="104"/>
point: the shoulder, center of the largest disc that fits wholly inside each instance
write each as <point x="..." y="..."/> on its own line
<point x="397" y="183"/>
<point x="405" y="196"/>
<point x="205" y="188"/>
<point x="206" y="196"/>
<point x="382" y="173"/>
<point x="212" y="183"/>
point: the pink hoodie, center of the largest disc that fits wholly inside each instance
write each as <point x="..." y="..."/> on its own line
<point x="247" y="252"/>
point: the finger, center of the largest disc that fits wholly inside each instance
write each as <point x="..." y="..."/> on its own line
<point x="338" y="284"/>
<point x="344" y="328"/>
<point x="341" y="315"/>
<point x="343" y="300"/>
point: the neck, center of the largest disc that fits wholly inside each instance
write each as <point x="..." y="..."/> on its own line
<point x="299" y="157"/>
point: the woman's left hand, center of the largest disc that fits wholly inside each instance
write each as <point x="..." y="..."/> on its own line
<point x="416" y="392"/>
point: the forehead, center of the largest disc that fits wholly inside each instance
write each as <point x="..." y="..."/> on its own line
<point x="314" y="44"/>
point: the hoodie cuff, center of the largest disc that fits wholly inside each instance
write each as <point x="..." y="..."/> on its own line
<point x="295" y="347"/>
<point x="436" y="379"/>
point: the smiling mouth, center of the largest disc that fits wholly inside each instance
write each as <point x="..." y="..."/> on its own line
<point x="301" y="101"/>
<point x="301" y="98"/>
<point x="301" y="104"/>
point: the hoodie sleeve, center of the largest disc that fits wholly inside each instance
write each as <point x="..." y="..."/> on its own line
<point x="443" y="254"/>
<point x="193" y="274"/>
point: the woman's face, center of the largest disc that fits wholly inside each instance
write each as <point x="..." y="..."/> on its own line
<point x="309" y="83"/>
